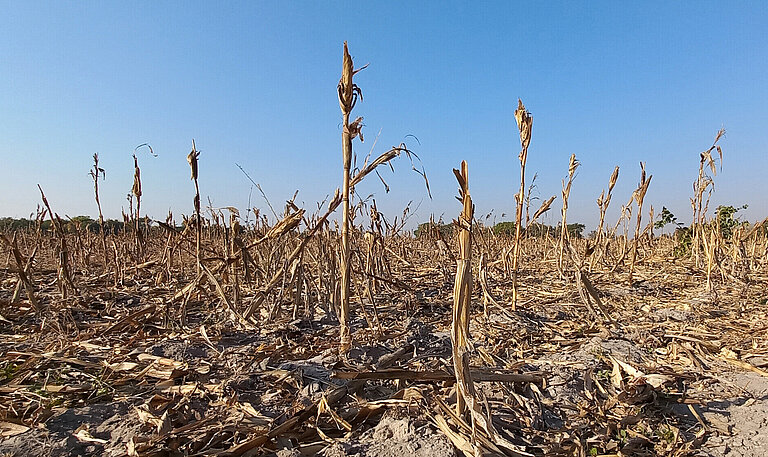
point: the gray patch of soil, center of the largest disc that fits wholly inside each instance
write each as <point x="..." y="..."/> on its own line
<point x="671" y="314"/>
<point x="395" y="438"/>
<point x="565" y="377"/>
<point x="180" y="350"/>
<point x="739" y="424"/>
<point x="112" y="422"/>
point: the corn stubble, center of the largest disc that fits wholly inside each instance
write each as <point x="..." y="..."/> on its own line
<point x="275" y="281"/>
<point x="525" y="125"/>
<point x="348" y="95"/>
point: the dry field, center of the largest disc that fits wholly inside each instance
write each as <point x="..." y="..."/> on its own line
<point x="355" y="338"/>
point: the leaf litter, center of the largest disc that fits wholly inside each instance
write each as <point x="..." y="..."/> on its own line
<point x="678" y="374"/>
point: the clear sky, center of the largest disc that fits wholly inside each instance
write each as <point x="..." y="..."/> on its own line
<point x="254" y="83"/>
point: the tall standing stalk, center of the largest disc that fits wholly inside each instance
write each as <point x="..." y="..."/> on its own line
<point x="639" y="196"/>
<point x="192" y="159"/>
<point x="136" y="190"/>
<point x="603" y="201"/>
<point x="700" y="186"/>
<point x="64" y="277"/>
<point x="573" y="164"/>
<point x="528" y="200"/>
<point x="462" y="291"/>
<point x="95" y="172"/>
<point x="525" y="125"/>
<point x="348" y="94"/>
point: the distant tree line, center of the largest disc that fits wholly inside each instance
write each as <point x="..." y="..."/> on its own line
<point x="536" y="229"/>
<point x="428" y="228"/>
<point x="111" y="226"/>
<point x="575" y="230"/>
<point x="725" y="218"/>
<point x="726" y="221"/>
<point x="77" y="223"/>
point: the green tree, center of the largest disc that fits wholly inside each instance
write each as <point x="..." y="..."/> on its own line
<point x="726" y="219"/>
<point x="504" y="228"/>
<point x="427" y="227"/>
<point x="665" y="218"/>
<point x="575" y="230"/>
<point x="536" y="229"/>
<point x="539" y="230"/>
<point x="78" y="222"/>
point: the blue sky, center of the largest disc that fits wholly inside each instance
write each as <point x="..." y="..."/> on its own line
<point x="254" y="83"/>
